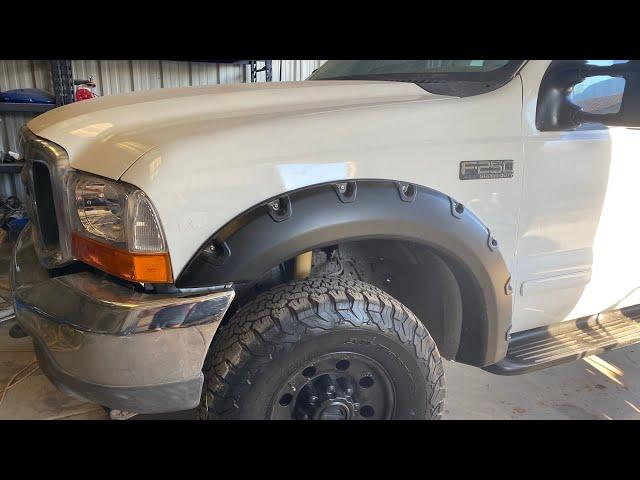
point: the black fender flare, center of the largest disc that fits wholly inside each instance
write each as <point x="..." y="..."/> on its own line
<point x="330" y="213"/>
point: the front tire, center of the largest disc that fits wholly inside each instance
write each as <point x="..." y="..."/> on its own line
<point x="323" y="348"/>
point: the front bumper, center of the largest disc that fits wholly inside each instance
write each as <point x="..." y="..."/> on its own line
<point x="102" y="341"/>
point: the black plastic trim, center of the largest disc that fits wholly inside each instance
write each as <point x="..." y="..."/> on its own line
<point x="279" y="209"/>
<point x="346" y="191"/>
<point x="319" y="218"/>
<point x="461" y="84"/>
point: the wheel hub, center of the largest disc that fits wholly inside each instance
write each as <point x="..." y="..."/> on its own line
<point x="326" y="397"/>
<point x="341" y="386"/>
<point x="334" y="410"/>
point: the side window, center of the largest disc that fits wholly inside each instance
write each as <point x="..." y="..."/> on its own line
<point x="601" y="94"/>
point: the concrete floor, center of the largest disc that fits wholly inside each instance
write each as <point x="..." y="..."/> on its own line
<point x="600" y="387"/>
<point x="604" y="387"/>
<point x="34" y="397"/>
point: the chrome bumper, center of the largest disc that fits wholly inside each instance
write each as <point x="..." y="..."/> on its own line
<point x="103" y="341"/>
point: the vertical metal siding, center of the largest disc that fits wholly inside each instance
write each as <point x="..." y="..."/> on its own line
<point x="146" y="74"/>
<point x="11" y="186"/>
<point x="294" y="70"/>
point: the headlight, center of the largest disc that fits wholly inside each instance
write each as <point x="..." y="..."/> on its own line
<point x="116" y="229"/>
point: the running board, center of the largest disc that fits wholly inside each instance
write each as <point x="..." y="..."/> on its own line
<point x="563" y="342"/>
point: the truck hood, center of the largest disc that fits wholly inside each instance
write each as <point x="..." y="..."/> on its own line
<point x="107" y="135"/>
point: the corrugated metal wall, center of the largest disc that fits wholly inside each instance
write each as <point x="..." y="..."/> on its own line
<point x="121" y="76"/>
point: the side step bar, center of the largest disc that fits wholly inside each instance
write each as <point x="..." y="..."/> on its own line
<point x="563" y="342"/>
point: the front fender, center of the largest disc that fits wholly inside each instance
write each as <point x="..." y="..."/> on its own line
<point x="322" y="215"/>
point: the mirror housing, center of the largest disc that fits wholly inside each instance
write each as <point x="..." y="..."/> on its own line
<point x="556" y="112"/>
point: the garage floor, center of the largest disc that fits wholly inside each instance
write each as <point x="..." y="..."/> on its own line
<point x="599" y="387"/>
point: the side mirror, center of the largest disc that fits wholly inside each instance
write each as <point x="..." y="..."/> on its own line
<point x="558" y="108"/>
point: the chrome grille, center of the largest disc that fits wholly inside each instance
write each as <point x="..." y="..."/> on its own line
<point x="46" y="171"/>
<point x="42" y="201"/>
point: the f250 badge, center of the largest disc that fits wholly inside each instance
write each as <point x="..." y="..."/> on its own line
<point x="486" y="169"/>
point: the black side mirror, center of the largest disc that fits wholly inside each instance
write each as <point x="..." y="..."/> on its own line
<point x="556" y="111"/>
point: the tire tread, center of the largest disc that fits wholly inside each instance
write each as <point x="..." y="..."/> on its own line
<point x="279" y="318"/>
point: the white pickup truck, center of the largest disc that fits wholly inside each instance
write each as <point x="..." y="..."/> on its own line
<point x="312" y="250"/>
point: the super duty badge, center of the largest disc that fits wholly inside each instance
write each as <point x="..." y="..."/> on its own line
<point x="486" y="169"/>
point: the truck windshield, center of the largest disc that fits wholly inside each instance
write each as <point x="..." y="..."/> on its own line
<point x="451" y="77"/>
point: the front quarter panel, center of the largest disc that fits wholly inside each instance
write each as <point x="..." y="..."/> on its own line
<point x="200" y="182"/>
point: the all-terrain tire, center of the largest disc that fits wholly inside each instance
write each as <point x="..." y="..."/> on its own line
<point x="292" y="325"/>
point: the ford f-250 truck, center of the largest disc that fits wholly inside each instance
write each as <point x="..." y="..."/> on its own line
<point x="312" y="250"/>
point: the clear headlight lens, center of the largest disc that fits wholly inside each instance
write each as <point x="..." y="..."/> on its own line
<point x="100" y="206"/>
<point x="116" y="213"/>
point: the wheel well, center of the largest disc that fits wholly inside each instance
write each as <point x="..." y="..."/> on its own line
<point x="433" y="240"/>
<point x="442" y="294"/>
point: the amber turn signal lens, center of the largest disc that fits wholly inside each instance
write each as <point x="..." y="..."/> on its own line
<point x="137" y="267"/>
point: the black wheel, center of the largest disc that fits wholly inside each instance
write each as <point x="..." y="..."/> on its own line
<point x="323" y="348"/>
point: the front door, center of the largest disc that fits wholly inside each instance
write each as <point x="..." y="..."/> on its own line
<point x="577" y="251"/>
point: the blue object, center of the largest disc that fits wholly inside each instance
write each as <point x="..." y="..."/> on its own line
<point x="17" y="224"/>
<point x="27" y="95"/>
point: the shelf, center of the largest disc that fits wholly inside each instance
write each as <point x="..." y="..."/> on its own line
<point x="11" y="167"/>
<point x="25" y="107"/>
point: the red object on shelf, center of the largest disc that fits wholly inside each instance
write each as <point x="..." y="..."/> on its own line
<point x="83" y="93"/>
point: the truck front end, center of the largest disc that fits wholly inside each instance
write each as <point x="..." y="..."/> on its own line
<point x="101" y="331"/>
